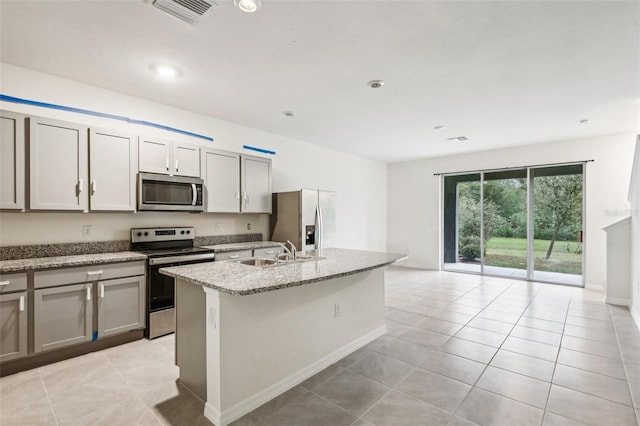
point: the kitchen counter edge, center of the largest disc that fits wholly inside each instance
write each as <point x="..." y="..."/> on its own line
<point x="275" y="278"/>
<point x="41" y="263"/>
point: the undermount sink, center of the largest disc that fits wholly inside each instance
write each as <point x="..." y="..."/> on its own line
<point x="258" y="261"/>
<point x="283" y="260"/>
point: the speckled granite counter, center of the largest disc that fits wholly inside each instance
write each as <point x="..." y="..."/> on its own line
<point x="238" y="279"/>
<point x="23" y="265"/>
<point x="220" y="248"/>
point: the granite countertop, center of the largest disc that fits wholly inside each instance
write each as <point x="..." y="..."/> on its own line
<point x="39" y="263"/>
<point x="249" y="245"/>
<point x="238" y="279"/>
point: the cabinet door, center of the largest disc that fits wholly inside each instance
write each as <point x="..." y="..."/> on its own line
<point x="11" y="161"/>
<point x="58" y="165"/>
<point x="221" y="175"/>
<point x="121" y="305"/>
<point x="112" y="171"/>
<point x="154" y="156"/>
<point x="62" y="316"/>
<point x="186" y="160"/>
<point x="13" y="322"/>
<point x="256" y="185"/>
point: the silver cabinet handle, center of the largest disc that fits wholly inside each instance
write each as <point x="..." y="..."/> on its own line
<point x="92" y="273"/>
<point x="237" y="195"/>
<point x="21" y="303"/>
<point x="88" y="294"/>
<point x="80" y="185"/>
<point x="102" y="291"/>
<point x="93" y="187"/>
<point x="177" y="168"/>
<point x="271" y="252"/>
<point x="3" y="283"/>
<point x="234" y="256"/>
<point x="166" y="163"/>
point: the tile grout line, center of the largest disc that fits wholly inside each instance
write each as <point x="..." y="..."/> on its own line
<point x="46" y="391"/>
<point x="624" y="366"/>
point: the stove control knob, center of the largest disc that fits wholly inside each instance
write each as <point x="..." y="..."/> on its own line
<point x="139" y="234"/>
<point x="146" y="234"/>
<point x="182" y="232"/>
<point x="188" y="232"/>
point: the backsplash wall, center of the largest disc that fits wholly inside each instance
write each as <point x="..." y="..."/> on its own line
<point x="47" y="228"/>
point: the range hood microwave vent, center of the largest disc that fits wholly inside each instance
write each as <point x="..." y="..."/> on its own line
<point x="188" y="10"/>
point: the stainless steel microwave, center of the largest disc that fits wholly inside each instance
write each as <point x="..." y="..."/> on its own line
<point x="170" y="193"/>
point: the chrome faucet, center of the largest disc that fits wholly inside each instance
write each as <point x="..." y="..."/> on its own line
<point x="293" y="250"/>
<point x="285" y="249"/>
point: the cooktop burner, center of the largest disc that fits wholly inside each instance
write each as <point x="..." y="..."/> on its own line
<point x="162" y="252"/>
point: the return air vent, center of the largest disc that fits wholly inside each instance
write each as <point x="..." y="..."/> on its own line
<point x="188" y="10"/>
<point x="458" y="139"/>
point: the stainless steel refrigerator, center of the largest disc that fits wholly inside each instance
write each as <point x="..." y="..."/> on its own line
<point x="307" y="218"/>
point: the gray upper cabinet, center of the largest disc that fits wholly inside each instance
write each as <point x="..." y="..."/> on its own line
<point x="121" y="305"/>
<point x="113" y="159"/>
<point x="62" y="316"/>
<point x="58" y="165"/>
<point x="169" y="158"/>
<point x="256" y="184"/>
<point x="12" y="161"/>
<point x="221" y="175"/>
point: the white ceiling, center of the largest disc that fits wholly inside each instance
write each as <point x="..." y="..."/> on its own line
<point x="501" y="73"/>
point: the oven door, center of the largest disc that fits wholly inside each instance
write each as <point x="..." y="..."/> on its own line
<point x="170" y="193"/>
<point x="161" y="293"/>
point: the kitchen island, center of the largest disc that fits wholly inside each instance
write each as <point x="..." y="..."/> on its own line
<point x="245" y="334"/>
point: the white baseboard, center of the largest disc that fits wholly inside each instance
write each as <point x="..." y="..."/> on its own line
<point x="223" y="418"/>
<point x="617" y="301"/>
<point x="635" y="317"/>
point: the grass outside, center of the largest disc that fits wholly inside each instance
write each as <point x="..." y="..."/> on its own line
<point x="512" y="253"/>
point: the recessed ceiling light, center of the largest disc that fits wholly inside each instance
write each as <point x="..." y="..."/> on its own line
<point x="585" y="121"/>
<point x="248" y="6"/>
<point x="440" y="127"/>
<point x="458" y="139"/>
<point x="165" y="71"/>
<point x="376" y="84"/>
<point x="289" y="113"/>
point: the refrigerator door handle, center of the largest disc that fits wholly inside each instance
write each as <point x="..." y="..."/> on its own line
<point x="320" y="229"/>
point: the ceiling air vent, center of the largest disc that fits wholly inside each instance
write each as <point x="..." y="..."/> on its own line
<point x="458" y="139"/>
<point x="187" y="10"/>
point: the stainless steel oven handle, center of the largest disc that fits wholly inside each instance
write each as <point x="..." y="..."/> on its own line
<point x="185" y="258"/>
<point x="195" y="194"/>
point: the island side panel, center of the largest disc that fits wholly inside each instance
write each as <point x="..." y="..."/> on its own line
<point x="190" y="302"/>
<point x="271" y="341"/>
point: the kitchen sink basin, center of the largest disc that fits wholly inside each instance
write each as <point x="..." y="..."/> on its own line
<point x="259" y="261"/>
<point x="283" y="260"/>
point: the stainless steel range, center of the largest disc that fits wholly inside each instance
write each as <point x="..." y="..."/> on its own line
<point x="165" y="247"/>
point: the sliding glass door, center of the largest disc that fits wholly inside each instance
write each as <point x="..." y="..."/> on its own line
<point x="557" y="224"/>
<point x="523" y="223"/>
<point x="505" y="223"/>
<point x="462" y="223"/>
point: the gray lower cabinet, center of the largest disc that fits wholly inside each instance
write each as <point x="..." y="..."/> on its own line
<point x="13" y="334"/>
<point x="63" y="316"/>
<point x="121" y="305"/>
<point x="76" y="305"/>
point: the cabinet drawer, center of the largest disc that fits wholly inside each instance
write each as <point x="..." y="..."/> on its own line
<point x="13" y="282"/>
<point x="85" y="274"/>
<point x="267" y="251"/>
<point x="230" y="255"/>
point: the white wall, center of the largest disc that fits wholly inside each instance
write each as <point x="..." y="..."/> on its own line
<point x="414" y="194"/>
<point x="360" y="183"/>
<point x="634" y="198"/>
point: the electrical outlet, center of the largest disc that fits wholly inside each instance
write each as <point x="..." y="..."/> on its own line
<point x="218" y="227"/>
<point x="87" y="230"/>
<point x="248" y="226"/>
<point x="336" y="310"/>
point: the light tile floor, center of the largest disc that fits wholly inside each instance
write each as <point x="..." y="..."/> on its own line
<point x="461" y="350"/>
